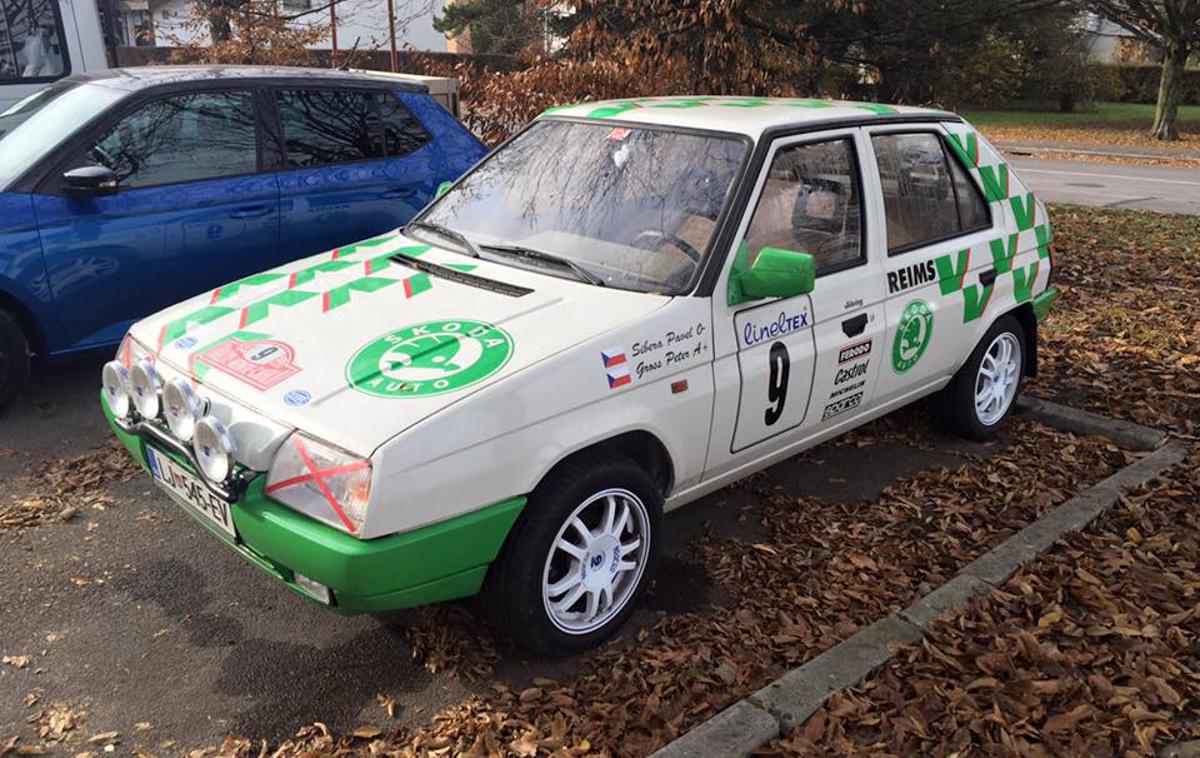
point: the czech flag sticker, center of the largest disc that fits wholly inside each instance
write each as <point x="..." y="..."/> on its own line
<point x="616" y="368"/>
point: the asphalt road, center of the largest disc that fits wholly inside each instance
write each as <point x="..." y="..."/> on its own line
<point x="137" y="619"/>
<point x="1112" y="185"/>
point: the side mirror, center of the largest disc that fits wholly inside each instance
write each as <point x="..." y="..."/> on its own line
<point x="776" y="273"/>
<point x="90" y="181"/>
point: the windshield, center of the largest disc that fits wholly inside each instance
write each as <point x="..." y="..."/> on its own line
<point x="636" y="207"/>
<point x="37" y="124"/>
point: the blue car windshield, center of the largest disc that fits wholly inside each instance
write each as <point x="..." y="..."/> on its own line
<point x="634" y="207"/>
<point x="39" y="123"/>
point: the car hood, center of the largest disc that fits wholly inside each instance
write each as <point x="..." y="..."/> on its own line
<point x="356" y="345"/>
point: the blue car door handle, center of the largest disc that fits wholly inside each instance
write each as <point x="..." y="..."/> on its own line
<point x="396" y="192"/>
<point x="251" y="211"/>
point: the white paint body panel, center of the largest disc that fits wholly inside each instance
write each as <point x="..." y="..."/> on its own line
<point x="696" y="380"/>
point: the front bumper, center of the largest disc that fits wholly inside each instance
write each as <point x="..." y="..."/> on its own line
<point x="439" y="562"/>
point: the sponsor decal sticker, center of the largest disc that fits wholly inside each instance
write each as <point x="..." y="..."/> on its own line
<point x="841" y="406"/>
<point x="297" y="397"/>
<point x="616" y="367"/>
<point x="912" y="335"/>
<point x="260" y="363"/>
<point x="183" y="343"/>
<point x="911" y="276"/>
<point x="768" y="327"/>
<point x="854" y="352"/>
<point x="430" y="358"/>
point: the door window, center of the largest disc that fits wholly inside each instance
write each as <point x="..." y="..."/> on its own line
<point x="182" y="138"/>
<point x="810" y="204"/>
<point x="324" y="126"/>
<point x="927" y="195"/>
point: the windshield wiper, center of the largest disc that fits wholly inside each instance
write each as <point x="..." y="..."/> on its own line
<point x="522" y="251"/>
<point x="448" y="233"/>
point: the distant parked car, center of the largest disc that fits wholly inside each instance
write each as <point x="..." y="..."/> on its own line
<point x="126" y="190"/>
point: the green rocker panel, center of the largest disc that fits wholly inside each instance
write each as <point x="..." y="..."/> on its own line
<point x="439" y="562"/>
<point x="1042" y="303"/>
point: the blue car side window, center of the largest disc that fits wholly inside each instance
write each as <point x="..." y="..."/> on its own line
<point x="183" y="138"/>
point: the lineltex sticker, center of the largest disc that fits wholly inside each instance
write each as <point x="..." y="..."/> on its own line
<point x="260" y="363"/>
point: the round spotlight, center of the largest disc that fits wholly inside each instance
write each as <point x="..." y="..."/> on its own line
<point x="114" y="378"/>
<point x="181" y="406"/>
<point x="214" y="449"/>
<point x="147" y="386"/>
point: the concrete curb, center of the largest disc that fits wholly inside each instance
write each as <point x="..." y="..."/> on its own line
<point x="1124" y="433"/>
<point x="777" y="709"/>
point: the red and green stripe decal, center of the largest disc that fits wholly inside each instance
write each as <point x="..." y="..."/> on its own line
<point x="331" y="299"/>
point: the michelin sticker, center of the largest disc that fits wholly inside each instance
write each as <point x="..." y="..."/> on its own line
<point x="431" y="358"/>
<point x="912" y="335"/>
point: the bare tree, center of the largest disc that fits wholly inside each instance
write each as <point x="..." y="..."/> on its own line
<point x="1174" y="27"/>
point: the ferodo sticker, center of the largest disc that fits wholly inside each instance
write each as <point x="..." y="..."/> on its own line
<point x="854" y="352"/>
<point x="431" y="358"/>
<point x="260" y="363"/>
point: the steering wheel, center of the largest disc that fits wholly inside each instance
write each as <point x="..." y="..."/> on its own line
<point x="658" y="237"/>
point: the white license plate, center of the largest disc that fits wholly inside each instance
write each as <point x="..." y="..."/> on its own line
<point x="188" y="489"/>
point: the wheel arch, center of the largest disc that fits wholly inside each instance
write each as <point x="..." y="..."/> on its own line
<point x="642" y="447"/>
<point x="1025" y="316"/>
<point x="26" y="319"/>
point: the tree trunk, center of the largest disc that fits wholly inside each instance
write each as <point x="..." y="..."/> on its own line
<point x="1170" y="91"/>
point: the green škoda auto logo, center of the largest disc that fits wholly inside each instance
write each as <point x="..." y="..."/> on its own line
<point x="429" y="359"/>
<point x="912" y="335"/>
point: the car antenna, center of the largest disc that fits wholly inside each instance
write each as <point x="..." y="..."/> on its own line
<point x="350" y="57"/>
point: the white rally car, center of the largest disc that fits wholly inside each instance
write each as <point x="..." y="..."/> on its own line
<point x="628" y="305"/>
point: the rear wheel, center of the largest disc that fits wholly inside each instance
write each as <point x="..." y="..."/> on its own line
<point x="982" y="394"/>
<point x="580" y="557"/>
<point x="14" y="358"/>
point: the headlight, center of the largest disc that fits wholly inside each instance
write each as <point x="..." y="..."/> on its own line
<point x="181" y="406"/>
<point x="321" y="481"/>
<point x="214" y="449"/>
<point x="146" y="385"/>
<point x="115" y="380"/>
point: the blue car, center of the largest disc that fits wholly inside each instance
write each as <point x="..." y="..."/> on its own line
<point x="124" y="191"/>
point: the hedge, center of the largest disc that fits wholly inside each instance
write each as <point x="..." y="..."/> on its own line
<point x="1139" y="84"/>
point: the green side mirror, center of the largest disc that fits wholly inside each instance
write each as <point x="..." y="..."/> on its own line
<point x="441" y="188"/>
<point x="776" y="273"/>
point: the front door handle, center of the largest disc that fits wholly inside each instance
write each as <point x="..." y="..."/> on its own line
<point x="251" y="211"/>
<point x="988" y="278"/>
<point x="398" y="192"/>
<point x="852" y="327"/>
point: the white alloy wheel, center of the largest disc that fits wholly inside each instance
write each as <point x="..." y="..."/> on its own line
<point x="596" y="561"/>
<point x="998" y="377"/>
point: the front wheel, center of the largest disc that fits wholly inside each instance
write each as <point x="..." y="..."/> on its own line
<point x="982" y="394"/>
<point x="580" y="557"/>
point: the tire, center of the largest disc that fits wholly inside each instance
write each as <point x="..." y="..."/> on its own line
<point x="532" y="572"/>
<point x="14" y="358"/>
<point x="956" y="408"/>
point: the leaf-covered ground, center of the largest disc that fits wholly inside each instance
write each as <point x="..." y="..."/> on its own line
<point x="1094" y="650"/>
<point x="1124" y="338"/>
<point x="821" y="572"/>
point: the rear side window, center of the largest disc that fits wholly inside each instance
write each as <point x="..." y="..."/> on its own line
<point x="33" y="46"/>
<point x="184" y="138"/>
<point x="927" y="195"/>
<point x="325" y="126"/>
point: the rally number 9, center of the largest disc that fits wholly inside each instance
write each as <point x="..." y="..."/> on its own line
<point x="777" y="382"/>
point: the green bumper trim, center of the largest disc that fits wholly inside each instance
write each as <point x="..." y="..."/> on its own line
<point x="1042" y="303"/>
<point x="439" y="562"/>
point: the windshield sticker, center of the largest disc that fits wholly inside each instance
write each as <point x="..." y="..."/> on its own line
<point x="912" y="335"/>
<point x="259" y="363"/>
<point x="431" y="358"/>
